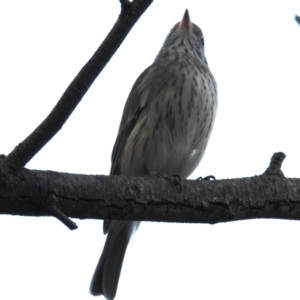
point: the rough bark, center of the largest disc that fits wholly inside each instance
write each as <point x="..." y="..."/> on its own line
<point x="37" y="193"/>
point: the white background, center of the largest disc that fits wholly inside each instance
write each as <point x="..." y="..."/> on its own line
<point x="253" y="49"/>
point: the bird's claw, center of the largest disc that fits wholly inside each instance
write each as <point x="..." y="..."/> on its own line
<point x="209" y="177"/>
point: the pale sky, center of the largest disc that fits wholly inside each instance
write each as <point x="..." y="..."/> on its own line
<point x="252" y="48"/>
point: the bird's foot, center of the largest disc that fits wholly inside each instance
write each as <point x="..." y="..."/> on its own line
<point x="209" y="177"/>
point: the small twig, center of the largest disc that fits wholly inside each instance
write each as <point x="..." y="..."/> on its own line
<point x="27" y="149"/>
<point x="57" y="213"/>
<point x="274" y="168"/>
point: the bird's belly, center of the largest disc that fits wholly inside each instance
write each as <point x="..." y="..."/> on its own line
<point x="172" y="136"/>
<point x="166" y="150"/>
<point x="178" y="155"/>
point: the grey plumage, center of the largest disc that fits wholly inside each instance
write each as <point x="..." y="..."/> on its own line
<point x="166" y="124"/>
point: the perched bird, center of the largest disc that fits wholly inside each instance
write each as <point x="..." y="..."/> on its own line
<point x="166" y="124"/>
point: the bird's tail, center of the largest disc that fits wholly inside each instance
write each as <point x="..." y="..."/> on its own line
<point x="107" y="273"/>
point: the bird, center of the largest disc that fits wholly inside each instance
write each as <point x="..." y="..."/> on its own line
<point x="166" y="124"/>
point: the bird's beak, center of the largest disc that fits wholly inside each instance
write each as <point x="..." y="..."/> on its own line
<point x="185" y="22"/>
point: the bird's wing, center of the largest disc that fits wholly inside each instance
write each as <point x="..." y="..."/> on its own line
<point x="132" y="110"/>
<point x="131" y="113"/>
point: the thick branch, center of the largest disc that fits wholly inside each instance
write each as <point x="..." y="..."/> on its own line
<point x="151" y="199"/>
<point x="26" y="150"/>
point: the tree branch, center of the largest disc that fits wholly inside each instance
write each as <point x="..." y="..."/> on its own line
<point x="26" y="150"/>
<point x="152" y="199"/>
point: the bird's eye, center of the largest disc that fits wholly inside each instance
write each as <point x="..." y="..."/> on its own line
<point x="202" y="41"/>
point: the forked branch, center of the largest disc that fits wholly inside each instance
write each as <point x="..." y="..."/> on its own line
<point x="26" y="150"/>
